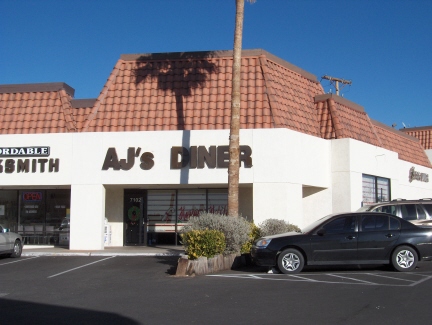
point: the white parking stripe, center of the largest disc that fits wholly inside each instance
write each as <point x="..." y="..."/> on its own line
<point x="79" y="267"/>
<point x="303" y="278"/>
<point x="306" y="278"/>
<point x="422" y="280"/>
<point x="345" y="277"/>
<point x="390" y="277"/>
<point x="19" y="260"/>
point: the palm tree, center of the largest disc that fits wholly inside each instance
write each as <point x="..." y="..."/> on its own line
<point x="234" y="140"/>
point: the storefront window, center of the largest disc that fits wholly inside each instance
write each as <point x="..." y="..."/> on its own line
<point x="169" y="210"/>
<point x="218" y="201"/>
<point x="35" y="214"/>
<point x="375" y="189"/>
<point x="161" y="207"/>
<point x="190" y="204"/>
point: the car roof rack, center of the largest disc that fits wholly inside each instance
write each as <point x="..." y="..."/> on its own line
<point x="399" y="199"/>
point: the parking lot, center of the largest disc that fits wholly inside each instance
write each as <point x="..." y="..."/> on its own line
<point x="144" y="290"/>
<point x="374" y="278"/>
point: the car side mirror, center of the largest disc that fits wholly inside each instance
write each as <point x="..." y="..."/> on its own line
<point x="321" y="232"/>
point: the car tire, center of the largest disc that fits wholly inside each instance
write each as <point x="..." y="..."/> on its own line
<point x="290" y="261"/>
<point x="404" y="259"/>
<point x="17" y="249"/>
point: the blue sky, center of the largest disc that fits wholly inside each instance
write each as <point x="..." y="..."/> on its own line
<point x="383" y="46"/>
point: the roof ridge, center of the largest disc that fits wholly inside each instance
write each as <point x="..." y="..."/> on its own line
<point x="272" y="102"/>
<point x="67" y="107"/>
<point x="102" y="95"/>
<point x="36" y="87"/>
<point x="381" y="144"/>
<point x="338" y="128"/>
<point x="397" y="132"/>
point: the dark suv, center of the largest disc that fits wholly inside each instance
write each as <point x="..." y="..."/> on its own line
<point x="416" y="211"/>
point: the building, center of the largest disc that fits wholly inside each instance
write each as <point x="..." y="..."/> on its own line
<point x="424" y="134"/>
<point x="130" y="167"/>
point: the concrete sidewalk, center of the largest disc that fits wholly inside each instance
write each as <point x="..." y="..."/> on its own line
<point x="30" y="250"/>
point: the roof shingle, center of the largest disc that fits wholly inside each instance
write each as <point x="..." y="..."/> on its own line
<point x="424" y="134"/>
<point x="192" y="91"/>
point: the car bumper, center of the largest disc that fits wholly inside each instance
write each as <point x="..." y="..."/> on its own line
<point x="263" y="256"/>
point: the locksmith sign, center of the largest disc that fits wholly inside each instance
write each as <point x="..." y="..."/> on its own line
<point x="11" y="163"/>
<point x="24" y="151"/>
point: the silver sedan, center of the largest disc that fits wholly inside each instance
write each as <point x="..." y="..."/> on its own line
<point x="10" y="243"/>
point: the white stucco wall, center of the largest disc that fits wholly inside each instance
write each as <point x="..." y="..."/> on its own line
<point x="87" y="217"/>
<point x="284" y="161"/>
<point x="351" y="159"/>
<point x="295" y="177"/>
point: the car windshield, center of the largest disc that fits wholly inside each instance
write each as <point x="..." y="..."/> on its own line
<point x="315" y="224"/>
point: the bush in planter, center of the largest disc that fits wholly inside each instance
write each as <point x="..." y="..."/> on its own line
<point x="275" y="226"/>
<point x="235" y="229"/>
<point x="254" y="234"/>
<point x="205" y="242"/>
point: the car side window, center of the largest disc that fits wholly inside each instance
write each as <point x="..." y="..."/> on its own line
<point x="428" y="208"/>
<point x="391" y="209"/>
<point x="409" y="211"/>
<point x="420" y="212"/>
<point x="340" y="225"/>
<point x="375" y="223"/>
<point x="394" y="223"/>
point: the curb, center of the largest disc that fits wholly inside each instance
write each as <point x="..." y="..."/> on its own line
<point x="98" y="254"/>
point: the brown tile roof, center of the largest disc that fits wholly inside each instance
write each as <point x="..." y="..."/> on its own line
<point x="341" y="118"/>
<point x="192" y="91"/>
<point x="36" y="108"/>
<point x="408" y="147"/>
<point x="186" y="91"/>
<point x="424" y="134"/>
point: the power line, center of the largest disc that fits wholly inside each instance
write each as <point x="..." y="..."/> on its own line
<point x="336" y="81"/>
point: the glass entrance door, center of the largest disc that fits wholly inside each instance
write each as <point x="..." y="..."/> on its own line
<point x="135" y="223"/>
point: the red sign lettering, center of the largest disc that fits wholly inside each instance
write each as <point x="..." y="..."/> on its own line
<point x="32" y="196"/>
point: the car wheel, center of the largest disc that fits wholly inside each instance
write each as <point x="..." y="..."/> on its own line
<point x="290" y="261"/>
<point x="17" y="249"/>
<point x="404" y="259"/>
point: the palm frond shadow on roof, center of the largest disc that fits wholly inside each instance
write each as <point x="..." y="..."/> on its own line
<point x="179" y="73"/>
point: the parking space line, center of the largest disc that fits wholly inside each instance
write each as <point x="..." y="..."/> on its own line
<point x="345" y="277"/>
<point x="19" y="260"/>
<point x="303" y="278"/>
<point x="390" y="277"/>
<point x="420" y="281"/>
<point x="79" y="267"/>
<point x="354" y="281"/>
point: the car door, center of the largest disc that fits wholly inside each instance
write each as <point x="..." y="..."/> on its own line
<point x="377" y="237"/>
<point x="2" y="240"/>
<point x="335" y="242"/>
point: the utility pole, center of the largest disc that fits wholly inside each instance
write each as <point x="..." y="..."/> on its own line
<point x="336" y="81"/>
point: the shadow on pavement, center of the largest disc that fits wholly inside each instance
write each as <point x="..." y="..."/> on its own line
<point x="17" y="312"/>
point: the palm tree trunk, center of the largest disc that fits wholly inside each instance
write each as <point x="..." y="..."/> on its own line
<point x="234" y="143"/>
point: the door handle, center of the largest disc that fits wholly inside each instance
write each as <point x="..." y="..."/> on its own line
<point x="350" y="237"/>
<point x="389" y="235"/>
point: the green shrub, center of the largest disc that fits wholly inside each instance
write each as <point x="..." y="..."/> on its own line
<point x="205" y="242"/>
<point x="275" y="226"/>
<point x="254" y="234"/>
<point x="235" y="229"/>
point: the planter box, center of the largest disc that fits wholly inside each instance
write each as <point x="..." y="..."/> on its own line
<point x="204" y="265"/>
